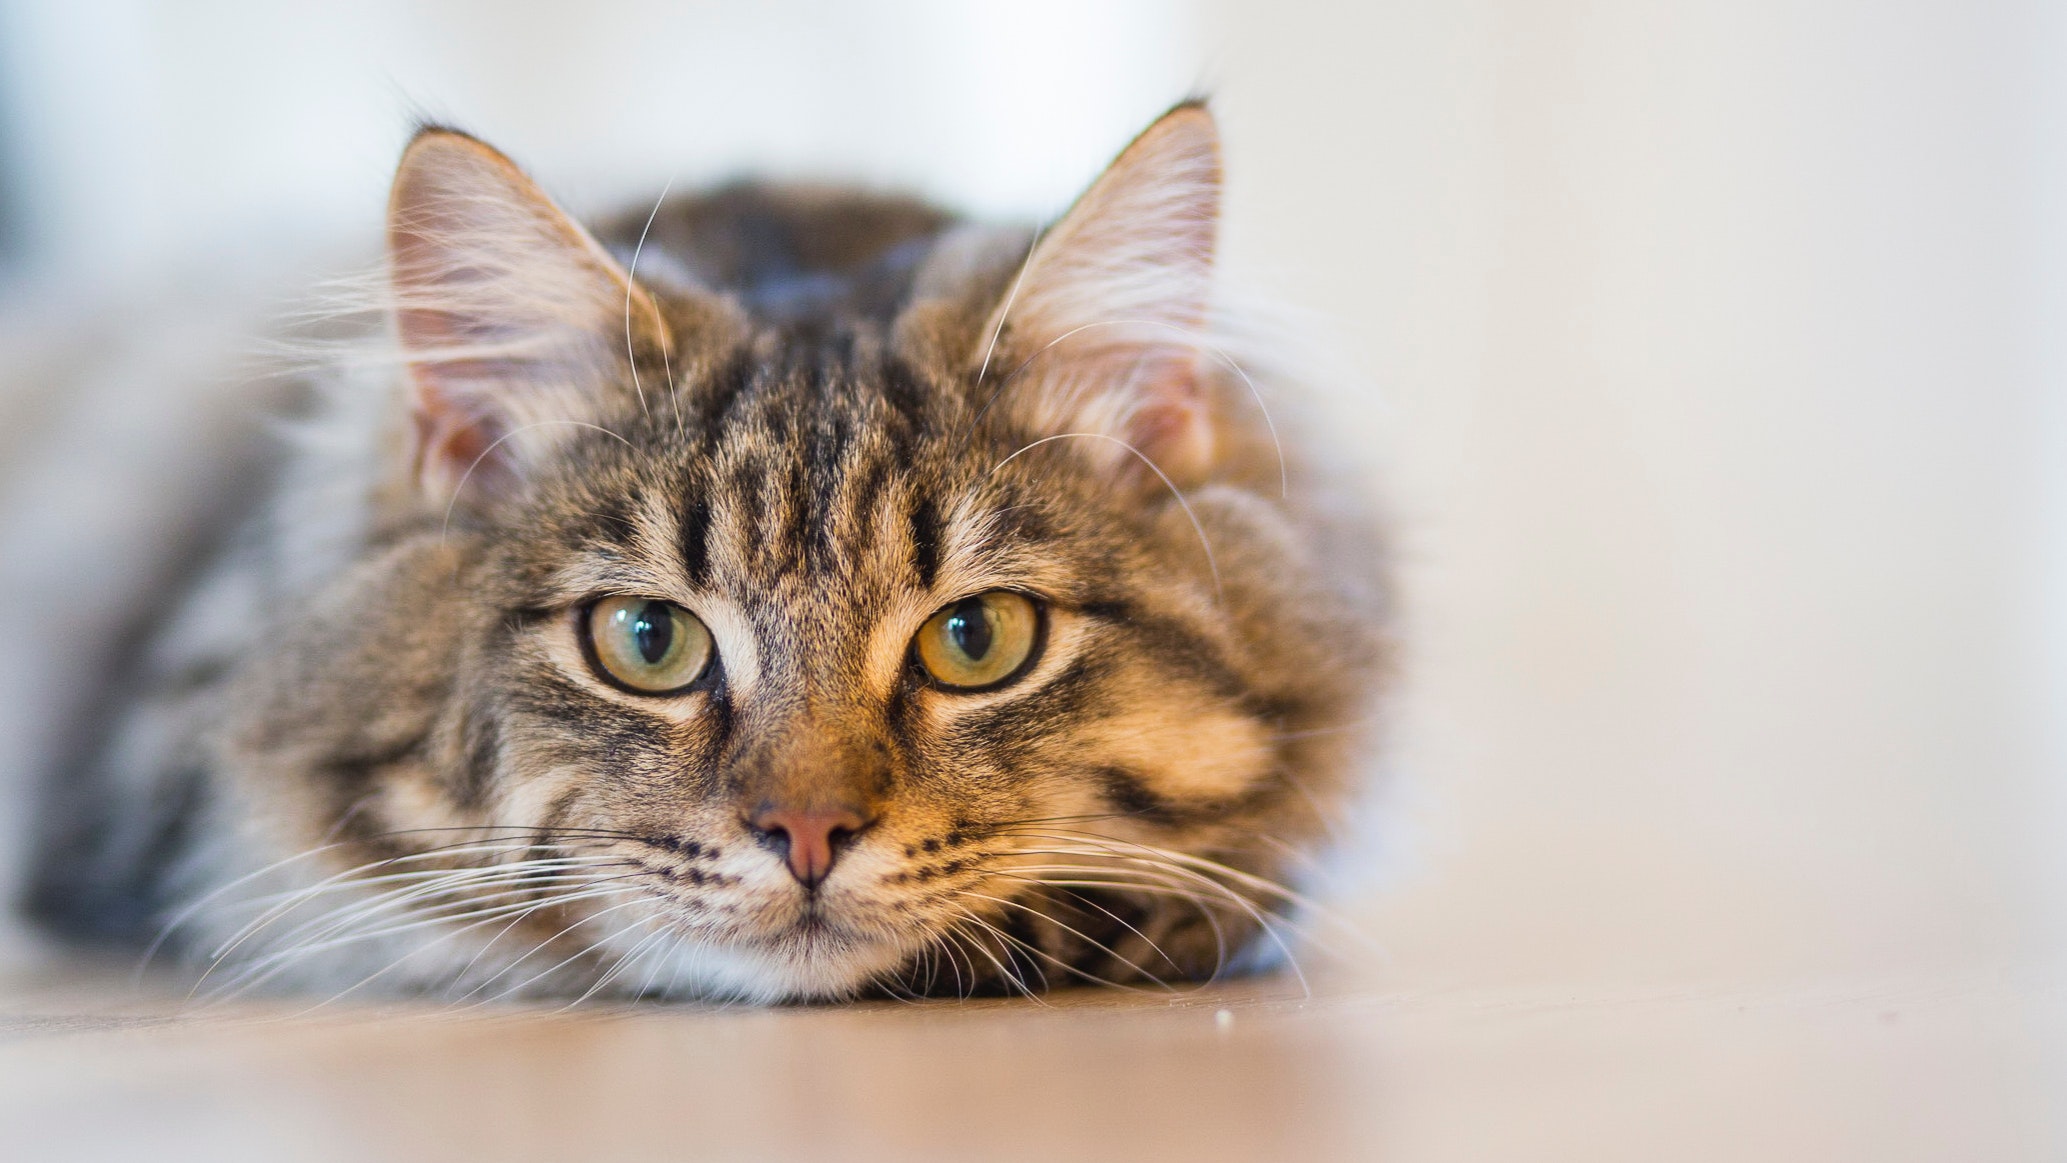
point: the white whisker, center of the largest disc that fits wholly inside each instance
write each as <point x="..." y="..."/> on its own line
<point x="1005" y="975"/>
<point x="1080" y="935"/>
<point x="230" y="943"/>
<point x="258" y="971"/>
<point x="631" y="286"/>
<point x="1005" y="312"/>
<point x="562" y="964"/>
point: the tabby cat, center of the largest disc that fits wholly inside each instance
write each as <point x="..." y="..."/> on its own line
<point x="791" y="593"/>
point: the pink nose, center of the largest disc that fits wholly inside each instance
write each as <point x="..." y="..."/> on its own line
<point x="808" y="841"/>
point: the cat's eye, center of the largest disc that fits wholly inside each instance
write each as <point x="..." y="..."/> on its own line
<point x="646" y="645"/>
<point x="980" y="642"/>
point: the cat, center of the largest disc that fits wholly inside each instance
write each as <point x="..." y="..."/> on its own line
<point x="791" y="593"/>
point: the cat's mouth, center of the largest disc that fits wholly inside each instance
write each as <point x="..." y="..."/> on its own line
<point x="743" y="931"/>
<point x="815" y="923"/>
<point x="823" y="945"/>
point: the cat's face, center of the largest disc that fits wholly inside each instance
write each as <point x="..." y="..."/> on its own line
<point x="800" y="659"/>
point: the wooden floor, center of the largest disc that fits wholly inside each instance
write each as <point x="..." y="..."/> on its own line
<point x="1949" y="1066"/>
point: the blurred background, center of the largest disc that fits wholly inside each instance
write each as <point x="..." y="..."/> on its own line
<point x="1710" y="354"/>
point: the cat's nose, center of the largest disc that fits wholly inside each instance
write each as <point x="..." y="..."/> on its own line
<point x="807" y="840"/>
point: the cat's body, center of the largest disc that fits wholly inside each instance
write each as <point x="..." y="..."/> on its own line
<point x="387" y="741"/>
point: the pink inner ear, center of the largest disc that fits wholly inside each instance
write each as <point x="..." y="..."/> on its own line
<point x="1169" y="421"/>
<point x="454" y="446"/>
<point x="1114" y="299"/>
<point x="510" y="316"/>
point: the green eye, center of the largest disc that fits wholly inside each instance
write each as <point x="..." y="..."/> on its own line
<point x="647" y="646"/>
<point x="980" y="642"/>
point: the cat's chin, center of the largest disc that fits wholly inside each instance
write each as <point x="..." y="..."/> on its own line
<point x="795" y="967"/>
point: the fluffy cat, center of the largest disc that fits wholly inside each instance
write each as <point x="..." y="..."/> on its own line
<point x="794" y="593"/>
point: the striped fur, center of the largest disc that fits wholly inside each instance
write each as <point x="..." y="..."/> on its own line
<point x="812" y="417"/>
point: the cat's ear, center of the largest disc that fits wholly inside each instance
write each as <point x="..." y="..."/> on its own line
<point x="1105" y="325"/>
<point x="512" y="319"/>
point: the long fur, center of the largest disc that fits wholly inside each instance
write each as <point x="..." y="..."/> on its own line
<point x="813" y="419"/>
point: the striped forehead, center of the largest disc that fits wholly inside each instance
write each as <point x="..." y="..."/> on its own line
<point x="809" y="472"/>
<point x="809" y="489"/>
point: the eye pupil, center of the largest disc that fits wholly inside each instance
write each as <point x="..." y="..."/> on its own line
<point x="653" y="631"/>
<point x="969" y="627"/>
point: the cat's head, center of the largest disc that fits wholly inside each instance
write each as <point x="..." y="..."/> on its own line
<point x="954" y="631"/>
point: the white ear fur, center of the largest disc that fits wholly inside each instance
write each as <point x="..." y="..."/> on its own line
<point x="1106" y="322"/>
<point x="512" y="319"/>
